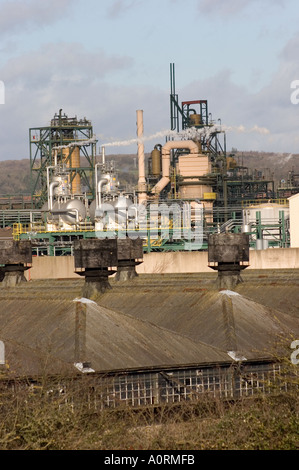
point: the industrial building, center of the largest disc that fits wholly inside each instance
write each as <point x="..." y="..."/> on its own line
<point x="153" y="338"/>
<point x="158" y="294"/>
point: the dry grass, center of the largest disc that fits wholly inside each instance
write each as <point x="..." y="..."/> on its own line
<point x="35" y="422"/>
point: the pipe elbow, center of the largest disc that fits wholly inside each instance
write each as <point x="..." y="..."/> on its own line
<point x="51" y="193"/>
<point x="102" y="182"/>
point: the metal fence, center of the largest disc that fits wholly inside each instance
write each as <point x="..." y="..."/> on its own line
<point x="188" y="384"/>
<point x="159" y="387"/>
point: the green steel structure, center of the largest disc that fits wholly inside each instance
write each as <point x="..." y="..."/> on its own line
<point x="47" y="145"/>
<point x="164" y="239"/>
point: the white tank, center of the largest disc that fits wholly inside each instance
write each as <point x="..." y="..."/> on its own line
<point x="52" y="217"/>
<point x="72" y="207"/>
<point x="121" y="206"/>
<point x="269" y="212"/>
<point x="65" y="211"/>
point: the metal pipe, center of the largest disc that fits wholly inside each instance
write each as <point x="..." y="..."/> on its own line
<point x="51" y="193"/>
<point x="96" y="182"/>
<point x="141" y="159"/>
<point x="99" y="191"/>
<point x="103" y="155"/>
<point x="48" y="182"/>
<point x="68" y="211"/>
<point x="170" y="145"/>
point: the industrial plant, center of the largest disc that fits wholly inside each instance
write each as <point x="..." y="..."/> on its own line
<point x="75" y="190"/>
<point x="185" y="284"/>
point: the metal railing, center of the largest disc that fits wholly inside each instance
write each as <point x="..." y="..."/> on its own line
<point x="255" y="202"/>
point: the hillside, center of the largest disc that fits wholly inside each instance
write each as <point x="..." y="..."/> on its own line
<point x="274" y="166"/>
<point x="15" y="174"/>
<point x="15" y="177"/>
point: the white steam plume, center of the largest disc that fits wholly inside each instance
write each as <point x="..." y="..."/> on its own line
<point x="124" y="143"/>
<point x="78" y="143"/>
<point x="190" y="133"/>
<point x="257" y="129"/>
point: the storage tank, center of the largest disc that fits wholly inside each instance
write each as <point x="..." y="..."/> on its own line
<point x="75" y="211"/>
<point x="76" y="179"/>
<point x="195" y="120"/>
<point x="52" y="218"/>
<point x="120" y="207"/>
<point x="269" y="216"/>
<point x="156" y="162"/>
<point x="71" y="158"/>
<point x="262" y="244"/>
<point x="70" y="212"/>
<point x="270" y="212"/>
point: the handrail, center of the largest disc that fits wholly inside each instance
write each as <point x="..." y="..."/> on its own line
<point x="255" y="202"/>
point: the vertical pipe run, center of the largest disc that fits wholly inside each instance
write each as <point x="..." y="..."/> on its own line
<point x="141" y="159"/>
<point x="103" y="156"/>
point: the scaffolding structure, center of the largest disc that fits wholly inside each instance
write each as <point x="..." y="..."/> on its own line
<point x="69" y="142"/>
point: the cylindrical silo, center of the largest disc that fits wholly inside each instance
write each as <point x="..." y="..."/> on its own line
<point x="156" y="162"/>
<point x="71" y="158"/>
<point x="195" y="120"/>
<point x="75" y="163"/>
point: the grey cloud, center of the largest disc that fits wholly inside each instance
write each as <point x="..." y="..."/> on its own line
<point x="120" y="7"/>
<point x="61" y="62"/>
<point x="233" y="8"/>
<point x="69" y="77"/>
<point x="290" y="52"/>
<point x="19" y="15"/>
<point x="269" y="108"/>
<point x="217" y="6"/>
<point x="112" y="110"/>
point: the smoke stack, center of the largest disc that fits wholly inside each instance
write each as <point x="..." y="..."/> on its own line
<point x="103" y="155"/>
<point x="141" y="159"/>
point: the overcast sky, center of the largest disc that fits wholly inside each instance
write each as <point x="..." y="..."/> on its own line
<point x="105" y="59"/>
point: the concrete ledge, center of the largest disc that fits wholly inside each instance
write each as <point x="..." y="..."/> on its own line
<point x="62" y="267"/>
<point x="52" y="267"/>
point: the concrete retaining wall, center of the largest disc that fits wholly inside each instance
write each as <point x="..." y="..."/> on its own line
<point x="62" y="267"/>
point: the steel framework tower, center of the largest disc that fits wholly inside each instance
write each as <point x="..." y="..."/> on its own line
<point x="67" y="142"/>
